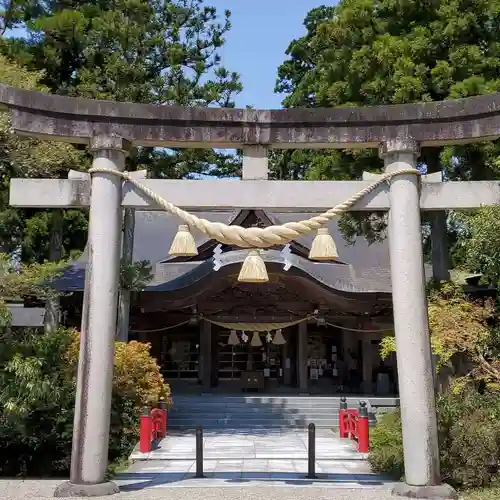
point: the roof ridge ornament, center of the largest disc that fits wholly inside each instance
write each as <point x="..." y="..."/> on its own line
<point x="217" y="255"/>
<point x="286" y="253"/>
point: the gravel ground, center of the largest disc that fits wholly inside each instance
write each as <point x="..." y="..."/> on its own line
<point x="43" y="489"/>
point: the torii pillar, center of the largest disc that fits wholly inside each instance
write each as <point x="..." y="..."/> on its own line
<point x="89" y="456"/>
<point x="414" y="358"/>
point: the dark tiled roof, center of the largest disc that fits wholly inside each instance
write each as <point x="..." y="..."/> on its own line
<point x="367" y="269"/>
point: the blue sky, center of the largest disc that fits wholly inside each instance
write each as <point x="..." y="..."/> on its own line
<point x="255" y="47"/>
<point x="256" y="44"/>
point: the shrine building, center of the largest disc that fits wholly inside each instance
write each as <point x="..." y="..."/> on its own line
<point x="314" y="328"/>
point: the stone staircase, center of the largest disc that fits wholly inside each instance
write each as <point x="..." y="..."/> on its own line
<point x="239" y="412"/>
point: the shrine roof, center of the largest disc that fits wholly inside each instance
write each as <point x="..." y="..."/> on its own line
<point x="361" y="267"/>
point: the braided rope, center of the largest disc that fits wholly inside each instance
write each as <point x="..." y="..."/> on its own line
<point x="257" y="327"/>
<point x="254" y="237"/>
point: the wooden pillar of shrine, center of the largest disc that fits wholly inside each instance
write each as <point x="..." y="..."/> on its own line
<point x="368" y="360"/>
<point x="287" y="367"/>
<point x="205" y="353"/>
<point x="302" y="356"/>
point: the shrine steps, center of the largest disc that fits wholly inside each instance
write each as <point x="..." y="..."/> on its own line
<point x="265" y="412"/>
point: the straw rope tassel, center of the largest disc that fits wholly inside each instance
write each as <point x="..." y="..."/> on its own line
<point x="183" y="244"/>
<point x="323" y="247"/>
<point x="253" y="269"/>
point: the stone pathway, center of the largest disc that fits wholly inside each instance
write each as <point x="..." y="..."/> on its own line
<point x="238" y="473"/>
<point x="286" y="444"/>
<point x="251" y="458"/>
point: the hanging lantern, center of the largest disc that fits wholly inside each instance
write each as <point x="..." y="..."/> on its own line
<point x="233" y="338"/>
<point x="278" y="338"/>
<point x="256" y="342"/>
<point x="323" y="247"/>
<point x="253" y="269"/>
<point x="183" y="244"/>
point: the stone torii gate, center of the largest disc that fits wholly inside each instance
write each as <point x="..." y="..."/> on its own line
<point x="111" y="128"/>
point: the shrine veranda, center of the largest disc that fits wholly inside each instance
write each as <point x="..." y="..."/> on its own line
<point x="110" y="129"/>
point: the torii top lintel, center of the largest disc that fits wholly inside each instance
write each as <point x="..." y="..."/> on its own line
<point x="78" y="120"/>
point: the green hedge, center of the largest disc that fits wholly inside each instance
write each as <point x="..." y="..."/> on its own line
<point x="469" y="439"/>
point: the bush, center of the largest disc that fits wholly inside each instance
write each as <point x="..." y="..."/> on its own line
<point x="386" y="446"/>
<point x="469" y="439"/>
<point x="37" y="392"/>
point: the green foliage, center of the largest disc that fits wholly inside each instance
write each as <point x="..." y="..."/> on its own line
<point x="459" y="325"/>
<point x="27" y="279"/>
<point x="386" y="446"/>
<point x="37" y="393"/>
<point x="162" y="52"/>
<point x="479" y="244"/>
<point x="136" y="276"/>
<point x="28" y="158"/>
<point x="36" y="401"/>
<point x="371" y="52"/>
<point x="38" y="383"/>
<point x="469" y="438"/>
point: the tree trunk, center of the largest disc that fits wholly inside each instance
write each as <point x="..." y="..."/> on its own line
<point x="127" y="258"/>
<point x="53" y="304"/>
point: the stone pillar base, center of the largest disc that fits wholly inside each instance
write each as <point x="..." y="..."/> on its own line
<point x="70" y="490"/>
<point x="440" y="491"/>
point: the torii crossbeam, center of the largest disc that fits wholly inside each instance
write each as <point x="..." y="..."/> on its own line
<point x="111" y="128"/>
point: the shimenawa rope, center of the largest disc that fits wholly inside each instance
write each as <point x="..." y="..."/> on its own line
<point x="255" y="237"/>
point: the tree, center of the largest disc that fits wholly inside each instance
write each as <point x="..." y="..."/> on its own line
<point x="370" y="52"/>
<point x="461" y="326"/>
<point x="27" y="279"/>
<point x="26" y="157"/>
<point x="478" y="247"/>
<point x="161" y="52"/>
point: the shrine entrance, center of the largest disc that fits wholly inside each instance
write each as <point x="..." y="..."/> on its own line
<point x="291" y="335"/>
<point x="111" y="129"/>
<point x="239" y="353"/>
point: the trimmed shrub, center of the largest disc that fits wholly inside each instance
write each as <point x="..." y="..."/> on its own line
<point x="386" y="445"/>
<point x="37" y="393"/>
<point x="469" y="438"/>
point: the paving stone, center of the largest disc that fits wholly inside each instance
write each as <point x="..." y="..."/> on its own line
<point x="208" y="466"/>
<point x="255" y="465"/>
<point x="358" y="467"/>
<point x="278" y="454"/>
<point x="178" y="465"/>
<point x="281" y="466"/>
<point x="231" y="463"/>
<point x="225" y="454"/>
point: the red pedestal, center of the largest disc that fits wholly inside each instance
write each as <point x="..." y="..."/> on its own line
<point x="342" y="429"/>
<point x="164" y="429"/>
<point x="363" y="435"/>
<point x="146" y="428"/>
